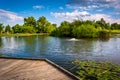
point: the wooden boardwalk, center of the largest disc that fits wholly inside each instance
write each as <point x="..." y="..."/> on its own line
<point x="32" y="69"/>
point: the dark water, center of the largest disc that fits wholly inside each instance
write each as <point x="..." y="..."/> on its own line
<point x="62" y="51"/>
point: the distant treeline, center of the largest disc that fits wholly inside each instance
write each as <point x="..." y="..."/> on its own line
<point x="31" y="25"/>
<point x="85" y="29"/>
<point x="77" y="28"/>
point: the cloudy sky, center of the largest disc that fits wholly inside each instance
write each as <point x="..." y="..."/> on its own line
<point x="14" y="11"/>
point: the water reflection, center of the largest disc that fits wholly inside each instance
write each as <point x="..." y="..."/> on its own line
<point x="1" y="42"/>
<point x="60" y="50"/>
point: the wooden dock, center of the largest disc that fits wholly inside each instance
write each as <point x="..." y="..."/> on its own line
<point x="32" y="69"/>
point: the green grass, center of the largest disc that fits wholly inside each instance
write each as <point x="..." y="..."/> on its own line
<point x="115" y="31"/>
<point x="23" y="34"/>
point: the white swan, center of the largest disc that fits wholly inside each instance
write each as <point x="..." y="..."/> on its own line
<point x="73" y="39"/>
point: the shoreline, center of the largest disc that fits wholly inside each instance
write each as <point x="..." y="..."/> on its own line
<point x="23" y="34"/>
<point x="112" y="32"/>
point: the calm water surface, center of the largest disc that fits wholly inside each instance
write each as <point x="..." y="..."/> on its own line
<point x="62" y="51"/>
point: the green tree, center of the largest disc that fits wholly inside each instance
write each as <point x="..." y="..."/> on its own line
<point x="8" y="29"/>
<point x="65" y="29"/>
<point x="103" y="24"/>
<point x="1" y="28"/>
<point x="49" y="28"/>
<point x="55" y="25"/>
<point x="28" y="29"/>
<point x="41" y="24"/>
<point x="30" y="21"/>
<point x="76" y="23"/>
<point x="115" y="26"/>
<point x="17" y="28"/>
<point x="89" y="22"/>
<point x="85" y="31"/>
<point x="29" y="24"/>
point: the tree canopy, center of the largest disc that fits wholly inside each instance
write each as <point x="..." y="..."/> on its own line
<point x="8" y="29"/>
<point x="1" y="28"/>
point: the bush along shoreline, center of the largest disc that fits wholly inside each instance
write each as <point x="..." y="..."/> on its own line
<point x="82" y="31"/>
<point x="76" y="29"/>
<point x="86" y="29"/>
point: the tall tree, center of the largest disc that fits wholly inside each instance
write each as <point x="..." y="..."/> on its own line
<point x="115" y="26"/>
<point x="1" y="28"/>
<point x="76" y="23"/>
<point x="17" y="28"/>
<point x="30" y="21"/>
<point x="8" y="29"/>
<point x="55" y="25"/>
<point x="49" y="28"/>
<point x="41" y="24"/>
<point x="28" y="29"/>
<point x="65" y="29"/>
<point x="102" y="23"/>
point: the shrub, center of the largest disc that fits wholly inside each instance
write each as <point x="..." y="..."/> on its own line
<point x="84" y="31"/>
<point x="103" y="34"/>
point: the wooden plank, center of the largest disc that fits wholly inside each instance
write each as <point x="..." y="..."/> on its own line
<point x="32" y="69"/>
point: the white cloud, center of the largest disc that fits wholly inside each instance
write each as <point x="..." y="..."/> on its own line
<point x="99" y="16"/>
<point x="110" y="3"/>
<point x="88" y="4"/>
<point x="38" y="7"/>
<point x="7" y="17"/>
<point x="99" y="10"/>
<point x="70" y="16"/>
<point x="92" y="6"/>
<point x="111" y="0"/>
<point x="76" y="7"/>
<point x="82" y="7"/>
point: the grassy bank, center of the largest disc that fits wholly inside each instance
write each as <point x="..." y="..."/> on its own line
<point x="23" y="34"/>
<point x="115" y="31"/>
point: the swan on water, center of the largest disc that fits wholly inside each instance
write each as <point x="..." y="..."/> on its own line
<point x="73" y="39"/>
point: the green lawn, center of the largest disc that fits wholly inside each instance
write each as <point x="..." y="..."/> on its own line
<point x="23" y="34"/>
<point x="115" y="31"/>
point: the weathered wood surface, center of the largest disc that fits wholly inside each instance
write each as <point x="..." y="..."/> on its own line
<point x="18" y="69"/>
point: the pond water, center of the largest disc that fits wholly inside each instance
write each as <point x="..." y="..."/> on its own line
<point x="62" y="51"/>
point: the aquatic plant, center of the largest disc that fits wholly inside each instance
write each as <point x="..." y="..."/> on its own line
<point x="97" y="70"/>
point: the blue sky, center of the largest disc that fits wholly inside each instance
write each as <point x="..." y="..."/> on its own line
<point x="56" y="11"/>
